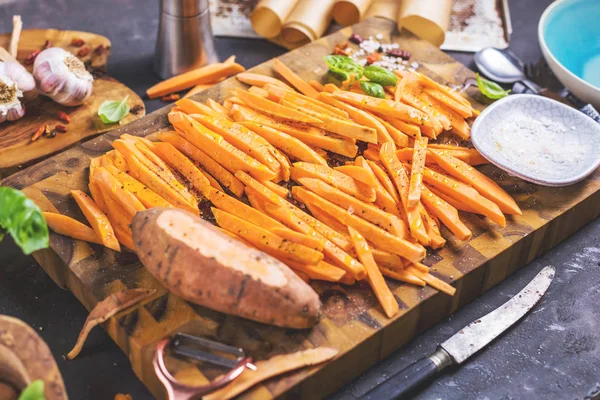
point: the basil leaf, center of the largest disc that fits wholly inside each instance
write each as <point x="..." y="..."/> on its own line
<point x="339" y="79"/>
<point x="344" y="66"/>
<point x="111" y="112"/>
<point x="491" y="89"/>
<point x="35" y="391"/>
<point x="381" y="75"/>
<point x="372" y="89"/>
<point x="23" y="220"/>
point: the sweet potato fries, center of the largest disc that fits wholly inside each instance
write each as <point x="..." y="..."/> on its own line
<point x="266" y="163"/>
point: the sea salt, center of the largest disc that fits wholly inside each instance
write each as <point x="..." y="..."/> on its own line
<point x="537" y="147"/>
<point x="373" y="45"/>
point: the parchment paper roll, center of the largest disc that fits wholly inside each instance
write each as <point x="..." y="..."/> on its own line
<point x="268" y="17"/>
<point x="349" y="12"/>
<point x="384" y="8"/>
<point x="308" y="21"/>
<point x="428" y="19"/>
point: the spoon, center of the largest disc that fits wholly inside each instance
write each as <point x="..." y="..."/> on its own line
<point x="505" y="67"/>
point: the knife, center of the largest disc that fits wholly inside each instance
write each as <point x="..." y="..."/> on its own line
<point x="466" y="342"/>
<point x="586" y="108"/>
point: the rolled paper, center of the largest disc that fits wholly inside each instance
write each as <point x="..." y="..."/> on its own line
<point x="428" y="19"/>
<point x="308" y="21"/>
<point x="268" y="17"/>
<point x="349" y="12"/>
<point x="384" y="8"/>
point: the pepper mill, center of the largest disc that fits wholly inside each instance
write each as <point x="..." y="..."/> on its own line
<point x="185" y="39"/>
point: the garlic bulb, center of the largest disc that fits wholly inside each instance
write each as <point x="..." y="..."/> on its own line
<point x="14" y="80"/>
<point x="62" y="77"/>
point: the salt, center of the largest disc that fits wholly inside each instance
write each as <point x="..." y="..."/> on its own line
<point x="371" y="45"/>
<point x="537" y="146"/>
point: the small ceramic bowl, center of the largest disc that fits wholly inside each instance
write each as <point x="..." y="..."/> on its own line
<point x="568" y="32"/>
<point x="581" y="134"/>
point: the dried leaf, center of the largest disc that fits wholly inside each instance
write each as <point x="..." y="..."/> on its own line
<point x="108" y="307"/>
<point x="272" y="367"/>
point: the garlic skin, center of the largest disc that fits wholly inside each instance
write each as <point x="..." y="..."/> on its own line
<point x="14" y="113"/>
<point x="19" y="74"/>
<point x="14" y="80"/>
<point x="62" y="77"/>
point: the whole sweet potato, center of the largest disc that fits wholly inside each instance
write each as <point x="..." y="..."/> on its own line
<point x="203" y="265"/>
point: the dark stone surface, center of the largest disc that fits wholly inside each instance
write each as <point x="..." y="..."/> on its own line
<point x="553" y="353"/>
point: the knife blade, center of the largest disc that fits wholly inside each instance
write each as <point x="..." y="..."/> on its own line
<point x="466" y="342"/>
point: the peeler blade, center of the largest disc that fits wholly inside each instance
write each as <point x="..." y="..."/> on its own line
<point x="201" y="349"/>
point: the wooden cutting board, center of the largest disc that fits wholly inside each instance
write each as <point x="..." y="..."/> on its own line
<point x="16" y="148"/>
<point x="353" y="321"/>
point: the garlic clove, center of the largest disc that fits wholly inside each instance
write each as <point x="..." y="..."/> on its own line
<point x="10" y="105"/>
<point x="16" y="113"/>
<point x="19" y="74"/>
<point x="14" y="80"/>
<point x="62" y="77"/>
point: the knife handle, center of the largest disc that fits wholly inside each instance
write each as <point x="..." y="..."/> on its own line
<point x="591" y="112"/>
<point x="587" y="109"/>
<point x="410" y="377"/>
<point x="530" y="87"/>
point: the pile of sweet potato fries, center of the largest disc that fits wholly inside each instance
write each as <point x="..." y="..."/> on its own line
<point x="267" y="164"/>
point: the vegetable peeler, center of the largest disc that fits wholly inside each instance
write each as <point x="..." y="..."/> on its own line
<point x="200" y="349"/>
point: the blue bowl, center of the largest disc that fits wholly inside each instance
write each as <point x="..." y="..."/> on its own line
<point x="569" y="33"/>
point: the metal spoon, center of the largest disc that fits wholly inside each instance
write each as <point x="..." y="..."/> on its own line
<point x="505" y="67"/>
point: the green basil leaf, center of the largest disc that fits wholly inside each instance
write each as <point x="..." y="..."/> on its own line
<point x="372" y="89"/>
<point x="111" y="112"/>
<point x="344" y="67"/>
<point x="381" y="75"/>
<point x="35" y="391"/>
<point x="335" y="78"/>
<point x="491" y="89"/>
<point x="23" y="220"/>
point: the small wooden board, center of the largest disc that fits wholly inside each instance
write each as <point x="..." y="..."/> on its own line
<point x="16" y="148"/>
<point x="353" y="321"/>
